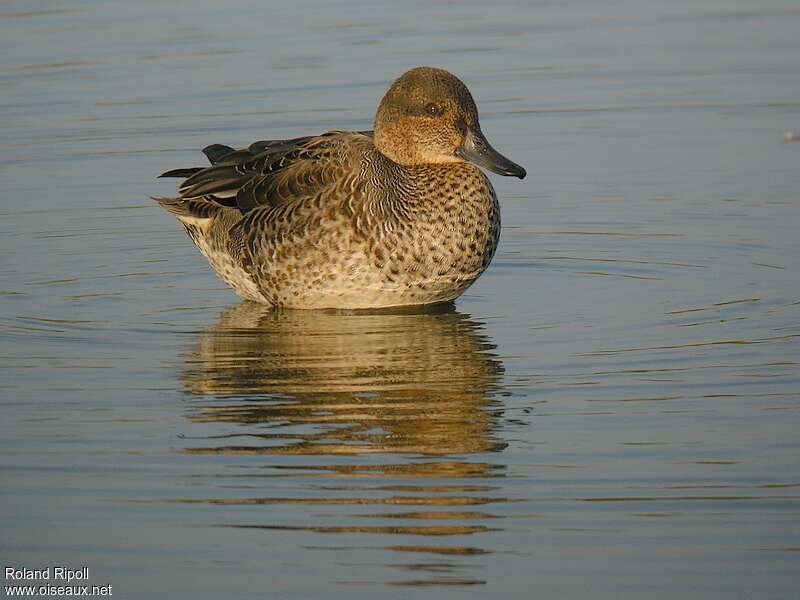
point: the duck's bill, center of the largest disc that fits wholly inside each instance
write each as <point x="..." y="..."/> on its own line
<point x="477" y="150"/>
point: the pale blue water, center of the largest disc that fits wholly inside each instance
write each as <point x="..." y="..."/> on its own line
<point x="611" y="411"/>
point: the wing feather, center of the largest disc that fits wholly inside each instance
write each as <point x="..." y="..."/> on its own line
<point x="273" y="172"/>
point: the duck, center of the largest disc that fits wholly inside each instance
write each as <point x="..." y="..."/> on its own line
<point x="399" y="216"/>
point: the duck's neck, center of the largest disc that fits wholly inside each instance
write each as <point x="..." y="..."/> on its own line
<point x="428" y="188"/>
<point x="401" y="145"/>
<point x="399" y="149"/>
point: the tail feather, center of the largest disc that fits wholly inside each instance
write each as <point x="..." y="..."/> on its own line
<point x="195" y="212"/>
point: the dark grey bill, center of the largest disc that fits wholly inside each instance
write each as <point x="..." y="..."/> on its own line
<point x="477" y="150"/>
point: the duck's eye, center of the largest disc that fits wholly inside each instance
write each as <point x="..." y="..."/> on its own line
<point x="433" y="109"/>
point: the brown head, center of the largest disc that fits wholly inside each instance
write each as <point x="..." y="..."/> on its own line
<point x="428" y="116"/>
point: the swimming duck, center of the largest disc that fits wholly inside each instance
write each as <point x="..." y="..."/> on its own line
<point x="398" y="216"/>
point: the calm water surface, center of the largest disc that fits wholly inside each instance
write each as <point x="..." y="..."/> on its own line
<point x="611" y="411"/>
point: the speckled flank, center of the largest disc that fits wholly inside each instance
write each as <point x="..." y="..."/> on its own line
<point x="335" y="221"/>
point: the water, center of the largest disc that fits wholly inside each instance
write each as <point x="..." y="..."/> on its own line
<point x="612" y="410"/>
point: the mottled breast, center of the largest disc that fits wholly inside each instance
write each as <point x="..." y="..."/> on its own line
<point x="441" y="224"/>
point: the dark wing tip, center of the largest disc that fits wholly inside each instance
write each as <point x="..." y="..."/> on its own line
<point x="216" y="152"/>
<point x="181" y="172"/>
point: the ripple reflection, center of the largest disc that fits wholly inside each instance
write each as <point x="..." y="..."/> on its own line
<point x="333" y="383"/>
<point x="385" y="410"/>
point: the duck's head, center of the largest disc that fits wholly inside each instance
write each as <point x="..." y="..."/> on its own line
<point x="428" y="116"/>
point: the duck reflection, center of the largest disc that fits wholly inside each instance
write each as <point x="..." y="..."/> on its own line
<point x="334" y="383"/>
<point x="337" y="402"/>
